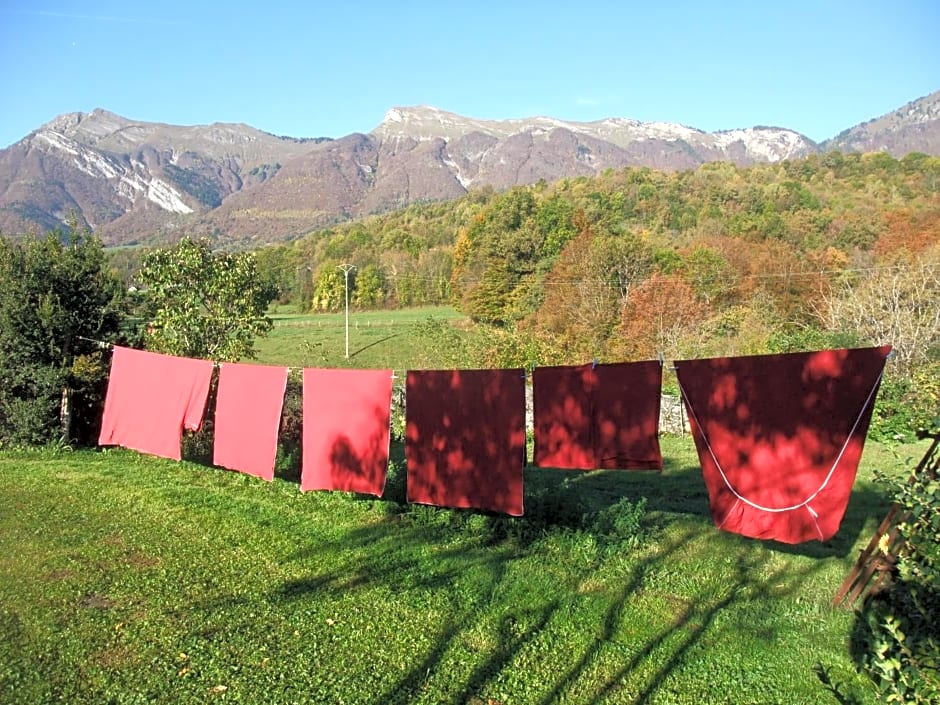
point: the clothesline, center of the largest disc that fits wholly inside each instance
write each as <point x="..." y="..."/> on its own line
<point x="527" y="371"/>
<point x="215" y="363"/>
<point x="769" y="428"/>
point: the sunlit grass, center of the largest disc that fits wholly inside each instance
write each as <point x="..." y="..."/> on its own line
<point x="377" y="339"/>
<point x="129" y="579"/>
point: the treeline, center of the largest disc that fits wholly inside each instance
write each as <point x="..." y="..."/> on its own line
<point x="62" y="305"/>
<point x="837" y="249"/>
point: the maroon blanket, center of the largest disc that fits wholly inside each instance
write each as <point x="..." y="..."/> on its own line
<point x="598" y="416"/>
<point x="779" y="437"/>
<point x="465" y="438"/>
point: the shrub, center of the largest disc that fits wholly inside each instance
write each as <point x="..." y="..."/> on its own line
<point x="906" y="406"/>
<point x="896" y="635"/>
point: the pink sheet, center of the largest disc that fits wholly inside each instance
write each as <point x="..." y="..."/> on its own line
<point x="465" y="438"/>
<point x="247" y="417"/>
<point x="598" y="416"/>
<point x="346" y="430"/>
<point x="151" y="398"/>
<point x="779" y="437"/>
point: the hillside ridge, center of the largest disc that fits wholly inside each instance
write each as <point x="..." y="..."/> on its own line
<point x="133" y="181"/>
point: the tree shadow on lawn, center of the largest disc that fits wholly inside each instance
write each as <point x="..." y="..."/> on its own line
<point x="680" y="489"/>
<point x="373" y="344"/>
<point x="560" y="498"/>
<point x="392" y="556"/>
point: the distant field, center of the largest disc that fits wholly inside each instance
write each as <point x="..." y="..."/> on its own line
<point x="377" y="339"/>
<point x="126" y="579"/>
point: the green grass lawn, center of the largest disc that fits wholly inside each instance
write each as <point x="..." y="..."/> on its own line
<point x="129" y="579"/>
<point x="377" y="339"/>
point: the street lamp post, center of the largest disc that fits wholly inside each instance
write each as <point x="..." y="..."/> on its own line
<point x="347" y="268"/>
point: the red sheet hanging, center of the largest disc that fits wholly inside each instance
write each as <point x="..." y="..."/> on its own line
<point x="779" y="437"/>
<point x="465" y="438"/>
<point x="346" y="430"/>
<point x="247" y="417"/>
<point x="151" y="398"/>
<point x="598" y="416"/>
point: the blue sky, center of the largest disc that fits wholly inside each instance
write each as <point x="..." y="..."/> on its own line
<point x="310" y="69"/>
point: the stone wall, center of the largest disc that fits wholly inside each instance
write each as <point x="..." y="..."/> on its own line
<point x="672" y="416"/>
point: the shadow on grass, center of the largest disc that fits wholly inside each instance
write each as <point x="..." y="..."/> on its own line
<point x="417" y="550"/>
<point x="678" y="489"/>
<point x="474" y="579"/>
<point x="373" y="344"/>
<point x="681" y="490"/>
<point x="464" y="560"/>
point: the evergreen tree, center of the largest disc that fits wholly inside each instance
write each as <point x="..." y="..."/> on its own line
<point x="57" y="296"/>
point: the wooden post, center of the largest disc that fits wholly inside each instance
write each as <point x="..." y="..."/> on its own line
<point x="880" y="556"/>
<point x="65" y="415"/>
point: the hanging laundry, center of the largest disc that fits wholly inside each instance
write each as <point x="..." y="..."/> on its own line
<point x="151" y="398"/>
<point x="247" y="417"/>
<point x="346" y="430"/>
<point x="779" y="437"/>
<point x="598" y="416"/>
<point x="465" y="438"/>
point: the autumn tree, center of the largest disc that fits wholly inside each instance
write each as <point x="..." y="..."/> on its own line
<point x="662" y="315"/>
<point x="897" y="304"/>
<point x="495" y="255"/>
<point x="370" y="287"/>
<point x="581" y="301"/>
<point x="329" y="287"/>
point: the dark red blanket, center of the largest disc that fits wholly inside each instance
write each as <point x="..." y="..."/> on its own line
<point x="598" y="416"/>
<point x="465" y="438"/>
<point x="779" y="437"/>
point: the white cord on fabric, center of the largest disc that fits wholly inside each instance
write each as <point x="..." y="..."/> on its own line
<point x="825" y="482"/>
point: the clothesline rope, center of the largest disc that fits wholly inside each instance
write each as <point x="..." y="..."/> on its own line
<point x="825" y="483"/>
<point x="110" y="346"/>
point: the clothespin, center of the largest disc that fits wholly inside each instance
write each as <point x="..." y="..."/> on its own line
<point x="593" y="363"/>
<point x="662" y="359"/>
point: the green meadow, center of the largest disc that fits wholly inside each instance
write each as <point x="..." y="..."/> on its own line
<point x="130" y="579"/>
<point x="377" y="339"/>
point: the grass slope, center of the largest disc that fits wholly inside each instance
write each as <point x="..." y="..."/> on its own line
<point x="128" y="579"/>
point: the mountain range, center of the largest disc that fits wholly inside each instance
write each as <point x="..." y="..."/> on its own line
<point x="134" y="182"/>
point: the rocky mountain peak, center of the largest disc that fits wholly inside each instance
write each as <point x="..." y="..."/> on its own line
<point x="132" y="180"/>
<point x="750" y="144"/>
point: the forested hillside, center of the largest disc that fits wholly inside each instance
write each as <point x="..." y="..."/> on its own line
<point x="721" y="260"/>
